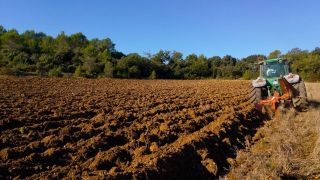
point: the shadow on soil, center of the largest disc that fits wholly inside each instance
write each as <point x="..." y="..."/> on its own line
<point x="314" y="104"/>
<point x="190" y="161"/>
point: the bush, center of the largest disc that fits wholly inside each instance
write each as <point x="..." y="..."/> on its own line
<point x="134" y="72"/>
<point x="153" y="75"/>
<point x="56" y="72"/>
<point x="108" y="69"/>
<point x="246" y="75"/>
<point x="92" y="70"/>
<point x="78" y="72"/>
<point x="9" y="71"/>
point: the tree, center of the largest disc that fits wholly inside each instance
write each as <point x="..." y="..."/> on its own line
<point x="41" y="69"/>
<point x="91" y="68"/>
<point x="176" y="64"/>
<point x="61" y="42"/>
<point x="104" y="56"/>
<point x="47" y="60"/>
<point x="78" y="40"/>
<point x="104" y="44"/>
<point x="2" y="30"/>
<point x="229" y="60"/>
<point x="108" y="69"/>
<point x="62" y="52"/>
<point x="124" y="64"/>
<point x="162" y="57"/>
<point x="246" y="75"/>
<point x="134" y="72"/>
<point x="197" y="67"/>
<point x="215" y="61"/>
<point x="294" y="51"/>
<point x="176" y="57"/>
<point x="274" y="54"/>
<point x="37" y="53"/>
<point x="11" y="41"/>
<point x="117" y="55"/>
<point x="249" y="64"/>
<point x="200" y="67"/>
<point x="191" y="58"/>
<point x="20" y="61"/>
<point x="214" y="70"/>
<point x="316" y="51"/>
<point x="46" y="45"/>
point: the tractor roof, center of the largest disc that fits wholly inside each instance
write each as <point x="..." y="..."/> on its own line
<point x="272" y="60"/>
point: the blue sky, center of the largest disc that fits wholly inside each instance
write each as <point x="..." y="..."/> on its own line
<point x="210" y="27"/>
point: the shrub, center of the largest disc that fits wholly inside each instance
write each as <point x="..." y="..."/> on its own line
<point x="153" y="75"/>
<point x="246" y="75"/>
<point x="134" y="72"/>
<point x="108" y="69"/>
<point x="9" y="71"/>
<point x="78" y="72"/>
<point x="55" y="72"/>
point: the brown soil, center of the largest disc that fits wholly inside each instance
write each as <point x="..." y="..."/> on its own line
<point x="122" y="129"/>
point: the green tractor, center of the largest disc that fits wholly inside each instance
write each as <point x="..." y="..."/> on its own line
<point x="277" y="85"/>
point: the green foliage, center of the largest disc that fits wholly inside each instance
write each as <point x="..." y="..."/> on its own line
<point x="78" y="72"/>
<point x="133" y="66"/>
<point x="162" y="57"/>
<point x="20" y="58"/>
<point x="246" y="75"/>
<point x="37" y="53"/>
<point x="11" y="41"/>
<point x="134" y="72"/>
<point x="2" y="30"/>
<point x="274" y="54"/>
<point x="55" y="72"/>
<point x="214" y="72"/>
<point x="78" y="40"/>
<point x="198" y="67"/>
<point x="229" y="60"/>
<point x="108" y="69"/>
<point x="153" y="75"/>
<point x="9" y="71"/>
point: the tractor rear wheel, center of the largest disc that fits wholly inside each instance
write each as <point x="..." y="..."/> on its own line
<point x="255" y="95"/>
<point x="300" y="101"/>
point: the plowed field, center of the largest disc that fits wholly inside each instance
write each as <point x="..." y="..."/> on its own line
<point x="121" y="129"/>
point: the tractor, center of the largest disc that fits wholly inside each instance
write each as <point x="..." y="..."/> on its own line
<point x="277" y="86"/>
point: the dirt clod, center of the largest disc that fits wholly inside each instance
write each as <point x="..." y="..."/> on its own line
<point x="5" y="154"/>
<point x="210" y="165"/>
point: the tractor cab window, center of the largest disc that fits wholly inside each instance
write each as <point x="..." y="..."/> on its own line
<point x="274" y="70"/>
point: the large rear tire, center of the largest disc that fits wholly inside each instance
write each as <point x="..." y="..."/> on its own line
<point x="255" y="95"/>
<point x="300" y="102"/>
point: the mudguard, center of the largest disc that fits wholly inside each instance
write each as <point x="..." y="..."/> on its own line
<point x="259" y="82"/>
<point x="292" y="78"/>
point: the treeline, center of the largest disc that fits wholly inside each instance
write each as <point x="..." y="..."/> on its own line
<point x="35" y="53"/>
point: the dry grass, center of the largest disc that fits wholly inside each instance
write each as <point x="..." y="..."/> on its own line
<point x="286" y="147"/>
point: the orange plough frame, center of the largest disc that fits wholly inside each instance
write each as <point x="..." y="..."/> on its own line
<point x="288" y="92"/>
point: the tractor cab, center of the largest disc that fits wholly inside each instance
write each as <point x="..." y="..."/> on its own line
<point x="272" y="70"/>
